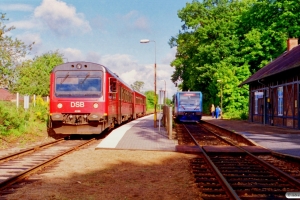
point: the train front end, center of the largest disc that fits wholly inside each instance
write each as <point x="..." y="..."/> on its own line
<point x="77" y="103"/>
<point x="188" y="106"/>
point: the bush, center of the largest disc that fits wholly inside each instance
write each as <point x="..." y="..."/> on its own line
<point x="17" y="121"/>
<point x="11" y="118"/>
<point x="236" y="114"/>
<point x="244" y="115"/>
<point x="40" y="110"/>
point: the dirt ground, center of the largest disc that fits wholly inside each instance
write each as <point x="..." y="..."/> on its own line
<point x="110" y="174"/>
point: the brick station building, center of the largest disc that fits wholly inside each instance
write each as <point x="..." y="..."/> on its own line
<point x="274" y="90"/>
<point x="5" y="95"/>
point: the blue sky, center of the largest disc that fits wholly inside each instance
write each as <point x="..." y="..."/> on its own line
<point x="102" y="31"/>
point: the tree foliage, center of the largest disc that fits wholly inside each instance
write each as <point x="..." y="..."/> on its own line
<point x="150" y="99"/>
<point x="12" y="51"/>
<point x="33" y="75"/>
<point x="229" y="40"/>
<point x="137" y="85"/>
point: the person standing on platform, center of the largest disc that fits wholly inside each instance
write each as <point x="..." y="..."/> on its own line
<point x="212" y="110"/>
<point x="218" y="111"/>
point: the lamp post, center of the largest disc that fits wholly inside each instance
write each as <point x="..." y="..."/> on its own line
<point x="220" y="81"/>
<point x="165" y="98"/>
<point x="147" y="41"/>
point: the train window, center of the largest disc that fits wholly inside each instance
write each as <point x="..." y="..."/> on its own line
<point x="189" y="99"/>
<point x="72" y="84"/>
<point x="112" y="85"/>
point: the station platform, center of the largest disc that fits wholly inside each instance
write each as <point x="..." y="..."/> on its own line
<point x="278" y="139"/>
<point x="139" y="134"/>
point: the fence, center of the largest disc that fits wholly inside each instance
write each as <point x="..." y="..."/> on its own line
<point x="27" y="99"/>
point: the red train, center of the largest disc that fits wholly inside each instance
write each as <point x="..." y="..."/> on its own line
<point x="87" y="98"/>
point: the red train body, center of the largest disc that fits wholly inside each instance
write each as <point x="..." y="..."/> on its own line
<point x="87" y="98"/>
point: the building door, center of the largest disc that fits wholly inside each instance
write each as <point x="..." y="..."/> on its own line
<point x="298" y="106"/>
<point x="266" y="107"/>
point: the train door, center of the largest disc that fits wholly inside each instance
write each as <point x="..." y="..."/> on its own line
<point x="120" y="92"/>
<point x="113" y="100"/>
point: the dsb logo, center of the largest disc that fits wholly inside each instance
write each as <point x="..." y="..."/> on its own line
<point x="77" y="104"/>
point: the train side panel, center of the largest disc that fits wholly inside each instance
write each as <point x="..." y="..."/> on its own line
<point x="139" y="105"/>
<point x="126" y="103"/>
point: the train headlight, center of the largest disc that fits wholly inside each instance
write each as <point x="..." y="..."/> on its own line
<point x="59" y="105"/>
<point x="56" y="117"/>
<point x="78" y="66"/>
<point x="96" y="105"/>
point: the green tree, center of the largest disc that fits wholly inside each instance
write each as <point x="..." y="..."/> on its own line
<point x="264" y="29"/>
<point x="12" y="51"/>
<point x="137" y="85"/>
<point x="208" y="50"/>
<point x="33" y="75"/>
<point x="150" y="99"/>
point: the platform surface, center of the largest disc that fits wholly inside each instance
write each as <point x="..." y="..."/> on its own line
<point x="278" y="139"/>
<point x="139" y="134"/>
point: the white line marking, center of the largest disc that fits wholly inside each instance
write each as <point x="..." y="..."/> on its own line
<point x="112" y="140"/>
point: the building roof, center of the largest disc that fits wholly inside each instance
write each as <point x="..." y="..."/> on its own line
<point x="286" y="61"/>
<point x="5" y="95"/>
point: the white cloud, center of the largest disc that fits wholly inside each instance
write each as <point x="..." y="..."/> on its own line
<point x="133" y="21"/>
<point x="16" y="7"/>
<point x="29" y="38"/>
<point x="61" y="18"/>
<point x="119" y="63"/>
<point x="72" y="55"/>
<point x="99" y="23"/>
<point x="129" y="77"/>
<point x="141" y="23"/>
<point x="26" y="24"/>
<point x="170" y="56"/>
<point x="93" y="57"/>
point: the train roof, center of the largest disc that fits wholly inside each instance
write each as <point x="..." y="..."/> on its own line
<point x="91" y="66"/>
<point x="188" y="92"/>
<point x="139" y="93"/>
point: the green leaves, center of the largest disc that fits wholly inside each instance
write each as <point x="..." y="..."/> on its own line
<point x="210" y="49"/>
<point x="137" y="85"/>
<point x="34" y="75"/>
<point x="12" y="51"/>
<point x="230" y="40"/>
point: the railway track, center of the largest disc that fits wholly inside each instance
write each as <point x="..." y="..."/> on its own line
<point x="18" y="166"/>
<point x="237" y="174"/>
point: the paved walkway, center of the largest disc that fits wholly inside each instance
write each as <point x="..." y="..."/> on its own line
<point x="139" y="134"/>
<point x="282" y="140"/>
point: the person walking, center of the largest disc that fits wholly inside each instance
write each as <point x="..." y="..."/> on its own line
<point x="212" y="110"/>
<point x="218" y="111"/>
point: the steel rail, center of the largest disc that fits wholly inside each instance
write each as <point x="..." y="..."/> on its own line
<point x="236" y="136"/>
<point x="8" y="182"/>
<point x="27" y="151"/>
<point x="229" y="190"/>
<point x="281" y="173"/>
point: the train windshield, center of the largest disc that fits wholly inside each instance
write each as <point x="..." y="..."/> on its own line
<point x="189" y="99"/>
<point x="78" y="84"/>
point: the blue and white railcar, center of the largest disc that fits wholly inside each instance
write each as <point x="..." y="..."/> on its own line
<point x="188" y="106"/>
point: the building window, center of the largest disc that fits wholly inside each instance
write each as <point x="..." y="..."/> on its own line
<point x="258" y="95"/>
<point x="280" y="101"/>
